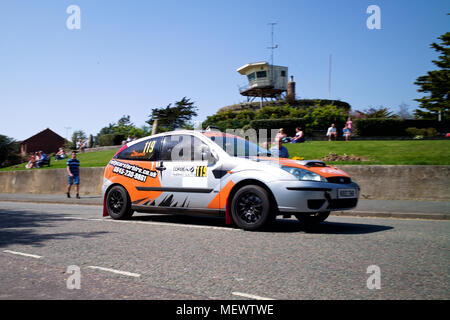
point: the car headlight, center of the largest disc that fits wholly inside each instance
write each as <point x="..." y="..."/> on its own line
<point x="304" y="175"/>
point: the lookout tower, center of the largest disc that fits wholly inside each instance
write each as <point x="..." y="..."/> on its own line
<point x="264" y="80"/>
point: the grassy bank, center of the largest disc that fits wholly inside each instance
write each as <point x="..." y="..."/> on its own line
<point x="392" y="152"/>
<point x="398" y="152"/>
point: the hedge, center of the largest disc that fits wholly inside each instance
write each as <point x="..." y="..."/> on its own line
<point x="288" y="125"/>
<point x="395" y="127"/>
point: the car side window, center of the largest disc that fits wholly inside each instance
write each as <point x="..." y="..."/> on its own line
<point x="177" y="148"/>
<point x="147" y="150"/>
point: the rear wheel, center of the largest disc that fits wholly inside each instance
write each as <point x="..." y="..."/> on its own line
<point x="118" y="203"/>
<point x="312" y="218"/>
<point x="250" y="207"/>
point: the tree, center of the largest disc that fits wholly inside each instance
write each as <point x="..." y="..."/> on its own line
<point x="9" y="151"/>
<point x="403" y="111"/>
<point x="436" y="84"/>
<point x="171" y="118"/>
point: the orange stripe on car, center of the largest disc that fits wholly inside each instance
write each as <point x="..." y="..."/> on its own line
<point x="220" y="200"/>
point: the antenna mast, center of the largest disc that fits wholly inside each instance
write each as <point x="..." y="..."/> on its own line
<point x="272" y="47"/>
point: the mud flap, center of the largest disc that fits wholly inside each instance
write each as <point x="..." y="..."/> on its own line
<point x="228" y="219"/>
<point x="105" y="211"/>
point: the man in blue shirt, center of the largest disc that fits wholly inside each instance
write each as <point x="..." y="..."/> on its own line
<point x="279" y="151"/>
<point x="73" y="171"/>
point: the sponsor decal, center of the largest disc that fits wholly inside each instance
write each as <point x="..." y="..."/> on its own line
<point x="132" y="171"/>
<point x="185" y="171"/>
<point x="190" y="171"/>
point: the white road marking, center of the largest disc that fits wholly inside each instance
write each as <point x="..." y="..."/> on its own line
<point x="125" y="273"/>
<point x="250" y="296"/>
<point x="23" y="254"/>
<point x="153" y="223"/>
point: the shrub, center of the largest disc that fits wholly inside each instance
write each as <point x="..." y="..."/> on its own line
<point x="424" y="132"/>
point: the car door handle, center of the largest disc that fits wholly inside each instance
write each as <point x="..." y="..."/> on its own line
<point x="161" y="168"/>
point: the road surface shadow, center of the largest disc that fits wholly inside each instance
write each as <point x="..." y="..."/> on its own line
<point x="278" y="226"/>
<point x="21" y="227"/>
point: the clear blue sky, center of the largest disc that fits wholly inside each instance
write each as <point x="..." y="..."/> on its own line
<point x="132" y="56"/>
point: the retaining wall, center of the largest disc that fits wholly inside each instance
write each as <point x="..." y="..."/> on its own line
<point x="429" y="183"/>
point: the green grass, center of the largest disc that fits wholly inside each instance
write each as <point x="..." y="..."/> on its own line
<point x="389" y="152"/>
<point x="394" y="152"/>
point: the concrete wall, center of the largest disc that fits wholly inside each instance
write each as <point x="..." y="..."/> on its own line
<point x="50" y="181"/>
<point x="376" y="182"/>
<point x="401" y="182"/>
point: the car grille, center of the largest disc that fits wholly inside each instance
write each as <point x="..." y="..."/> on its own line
<point x="340" y="180"/>
<point x="342" y="203"/>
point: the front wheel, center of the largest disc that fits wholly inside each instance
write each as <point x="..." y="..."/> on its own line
<point x="118" y="203"/>
<point x="312" y="218"/>
<point x="250" y="207"/>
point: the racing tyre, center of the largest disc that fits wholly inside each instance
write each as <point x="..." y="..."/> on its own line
<point x="313" y="218"/>
<point x="250" y="207"/>
<point x="118" y="203"/>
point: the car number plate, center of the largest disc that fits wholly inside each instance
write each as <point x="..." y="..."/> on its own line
<point x="346" y="193"/>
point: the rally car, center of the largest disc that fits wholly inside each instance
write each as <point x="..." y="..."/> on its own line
<point x="215" y="173"/>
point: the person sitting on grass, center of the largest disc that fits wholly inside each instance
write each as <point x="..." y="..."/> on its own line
<point x="32" y="162"/>
<point x="43" y="158"/>
<point x="60" y="155"/>
<point x="332" y="132"/>
<point x="346" y="132"/>
<point x="299" y="136"/>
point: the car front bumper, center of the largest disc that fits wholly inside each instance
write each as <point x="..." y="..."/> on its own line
<point x="311" y="196"/>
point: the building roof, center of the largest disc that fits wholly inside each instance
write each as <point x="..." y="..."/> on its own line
<point x="244" y="68"/>
<point x="45" y="131"/>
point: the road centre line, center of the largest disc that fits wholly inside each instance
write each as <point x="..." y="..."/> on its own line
<point x="153" y="223"/>
<point x="23" y="254"/>
<point x="250" y="296"/>
<point x="124" y="273"/>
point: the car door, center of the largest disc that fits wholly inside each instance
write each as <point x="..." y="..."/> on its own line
<point x="186" y="168"/>
<point x="135" y="169"/>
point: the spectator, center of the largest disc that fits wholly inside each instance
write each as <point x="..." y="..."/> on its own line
<point x="350" y="124"/>
<point x="346" y="133"/>
<point x="82" y="146"/>
<point x="332" y="132"/>
<point x="43" y="158"/>
<point x="60" y="155"/>
<point x="73" y="171"/>
<point x="129" y="139"/>
<point x="280" y="135"/>
<point x="32" y="162"/>
<point x="299" y="136"/>
<point x="279" y="151"/>
<point x="78" y="145"/>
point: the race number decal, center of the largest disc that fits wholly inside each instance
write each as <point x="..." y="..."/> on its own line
<point x="201" y="171"/>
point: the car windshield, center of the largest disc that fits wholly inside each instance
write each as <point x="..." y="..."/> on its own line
<point x="239" y="147"/>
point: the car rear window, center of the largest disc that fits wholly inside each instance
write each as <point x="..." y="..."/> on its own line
<point x="147" y="150"/>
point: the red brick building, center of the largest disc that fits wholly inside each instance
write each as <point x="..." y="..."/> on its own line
<point x="46" y="140"/>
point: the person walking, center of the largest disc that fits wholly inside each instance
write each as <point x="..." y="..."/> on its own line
<point x="73" y="171"/>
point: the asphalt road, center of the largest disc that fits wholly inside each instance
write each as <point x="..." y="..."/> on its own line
<point x="177" y="257"/>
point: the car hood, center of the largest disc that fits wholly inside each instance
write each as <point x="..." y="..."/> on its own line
<point x="315" y="166"/>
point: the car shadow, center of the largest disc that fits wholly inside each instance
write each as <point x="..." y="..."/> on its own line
<point x="326" y="227"/>
<point x="21" y="227"/>
<point x="278" y="226"/>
